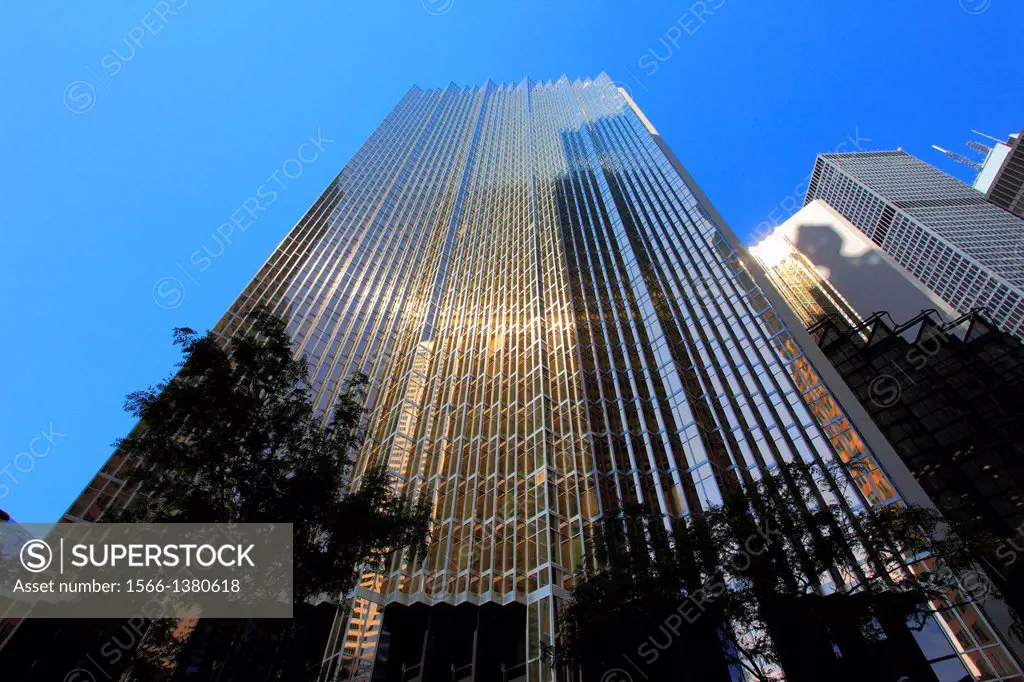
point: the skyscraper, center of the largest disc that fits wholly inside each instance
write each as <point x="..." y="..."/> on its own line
<point x="555" y="321"/>
<point x="967" y="251"/>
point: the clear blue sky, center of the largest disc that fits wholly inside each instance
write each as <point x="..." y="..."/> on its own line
<point x="108" y="184"/>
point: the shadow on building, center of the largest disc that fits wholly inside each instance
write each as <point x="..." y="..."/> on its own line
<point x="869" y="280"/>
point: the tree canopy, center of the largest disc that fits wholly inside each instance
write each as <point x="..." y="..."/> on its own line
<point x="234" y="436"/>
<point x="783" y="576"/>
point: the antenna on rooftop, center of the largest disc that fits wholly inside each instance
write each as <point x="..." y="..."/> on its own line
<point x="982" y="149"/>
<point x="959" y="158"/>
<point x="994" y="139"/>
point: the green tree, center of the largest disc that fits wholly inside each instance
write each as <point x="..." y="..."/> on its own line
<point x="751" y="584"/>
<point x="234" y="436"/>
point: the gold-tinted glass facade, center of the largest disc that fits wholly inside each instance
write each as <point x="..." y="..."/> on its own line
<point x="807" y="293"/>
<point x="553" y="325"/>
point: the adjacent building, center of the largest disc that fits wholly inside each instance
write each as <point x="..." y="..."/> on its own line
<point x="1002" y="176"/>
<point x="555" y="321"/>
<point x="965" y="250"/>
<point x="824" y="266"/>
<point x="949" y="396"/>
<point x="946" y="389"/>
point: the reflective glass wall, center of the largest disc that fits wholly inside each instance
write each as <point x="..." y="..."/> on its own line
<point x="553" y="325"/>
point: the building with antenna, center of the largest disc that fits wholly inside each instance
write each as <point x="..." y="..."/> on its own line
<point x="1001" y="172"/>
<point x="955" y="242"/>
<point x="1005" y="165"/>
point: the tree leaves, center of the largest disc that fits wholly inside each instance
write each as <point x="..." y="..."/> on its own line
<point x="779" y="574"/>
<point x="234" y="437"/>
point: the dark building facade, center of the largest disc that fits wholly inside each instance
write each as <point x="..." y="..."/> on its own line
<point x="950" y="398"/>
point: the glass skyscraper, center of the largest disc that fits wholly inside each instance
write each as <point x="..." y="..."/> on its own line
<point x="555" y="321"/>
<point x="554" y="324"/>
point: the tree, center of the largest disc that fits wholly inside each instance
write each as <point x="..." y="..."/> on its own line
<point x="752" y="585"/>
<point x="234" y="437"/>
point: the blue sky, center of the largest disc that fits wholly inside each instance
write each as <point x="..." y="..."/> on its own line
<point x="132" y="130"/>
